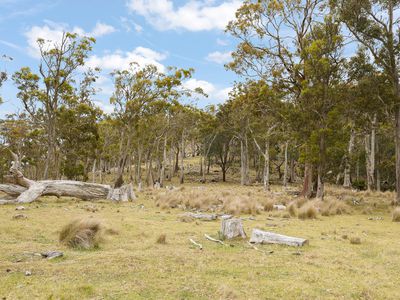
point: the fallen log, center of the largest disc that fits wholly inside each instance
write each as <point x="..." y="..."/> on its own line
<point x="27" y="190"/>
<point x="205" y="217"/>
<point x="264" y="237"/>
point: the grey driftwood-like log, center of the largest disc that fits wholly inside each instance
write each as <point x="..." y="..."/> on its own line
<point x="264" y="237"/>
<point x="205" y="217"/>
<point x="26" y="190"/>
<point x="231" y="228"/>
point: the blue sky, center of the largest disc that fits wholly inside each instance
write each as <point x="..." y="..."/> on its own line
<point x="182" y="33"/>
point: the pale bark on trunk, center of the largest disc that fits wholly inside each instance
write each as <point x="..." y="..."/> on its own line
<point x="285" y="171"/>
<point x="164" y="162"/>
<point x="370" y="155"/>
<point x="347" y="165"/>
<point x="182" y="156"/>
<point x="266" y="167"/>
<point x="94" y="171"/>
<point x="244" y="161"/>
<point x="321" y="169"/>
<point x="28" y="190"/>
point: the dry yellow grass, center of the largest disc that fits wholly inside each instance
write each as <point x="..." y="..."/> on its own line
<point x="307" y="211"/>
<point x="82" y="234"/>
<point x="131" y="265"/>
<point x="332" y="207"/>
<point x="396" y="215"/>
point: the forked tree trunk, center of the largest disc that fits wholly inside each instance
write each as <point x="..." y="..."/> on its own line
<point x="28" y="190"/>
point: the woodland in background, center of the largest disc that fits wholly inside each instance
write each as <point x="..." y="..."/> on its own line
<point x="304" y="111"/>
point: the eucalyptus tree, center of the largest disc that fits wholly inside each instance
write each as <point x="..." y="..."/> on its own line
<point x="375" y="25"/>
<point x="272" y="39"/>
<point x="43" y="94"/>
<point x="137" y="91"/>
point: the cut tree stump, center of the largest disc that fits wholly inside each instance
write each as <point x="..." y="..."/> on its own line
<point x="27" y="190"/>
<point x="231" y="228"/>
<point x="264" y="237"/>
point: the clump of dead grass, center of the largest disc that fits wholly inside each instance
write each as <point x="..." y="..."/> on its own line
<point x="292" y="209"/>
<point x="82" y="234"/>
<point x="233" y="202"/>
<point x="162" y="239"/>
<point x="334" y="207"/>
<point x="355" y="240"/>
<point x="396" y="215"/>
<point x="307" y="211"/>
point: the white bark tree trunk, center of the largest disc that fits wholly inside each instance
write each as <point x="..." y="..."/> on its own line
<point x="347" y="166"/>
<point x="285" y="171"/>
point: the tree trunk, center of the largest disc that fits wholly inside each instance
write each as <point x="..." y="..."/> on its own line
<point x="232" y="228"/>
<point x="30" y="190"/>
<point x="164" y="162"/>
<point x="285" y="170"/>
<point x="94" y="171"/>
<point x="308" y="181"/>
<point x="244" y="159"/>
<point x="321" y="168"/>
<point x="182" y="173"/>
<point x="397" y="201"/>
<point x="266" y="166"/>
<point x="347" y="165"/>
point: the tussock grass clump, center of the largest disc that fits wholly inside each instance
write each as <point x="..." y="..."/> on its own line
<point x="396" y="215"/>
<point x="82" y="234"/>
<point x="355" y="240"/>
<point x="334" y="207"/>
<point x="242" y="204"/>
<point x="162" y="239"/>
<point x="269" y="205"/>
<point x="292" y="209"/>
<point x="233" y="202"/>
<point x="186" y="219"/>
<point x="307" y="211"/>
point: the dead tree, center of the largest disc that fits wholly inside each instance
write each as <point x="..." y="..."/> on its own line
<point x="26" y="190"/>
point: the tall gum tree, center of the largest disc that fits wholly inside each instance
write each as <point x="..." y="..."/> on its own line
<point x="375" y="25"/>
<point x="43" y="94"/>
<point x="271" y="38"/>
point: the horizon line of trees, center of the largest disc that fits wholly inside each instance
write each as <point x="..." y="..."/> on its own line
<point x="302" y="110"/>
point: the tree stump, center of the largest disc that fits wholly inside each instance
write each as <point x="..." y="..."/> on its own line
<point x="232" y="228"/>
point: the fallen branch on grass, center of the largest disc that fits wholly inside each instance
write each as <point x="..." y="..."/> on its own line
<point x="196" y="244"/>
<point x="214" y="240"/>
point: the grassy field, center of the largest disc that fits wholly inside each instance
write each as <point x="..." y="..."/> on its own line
<point x="131" y="265"/>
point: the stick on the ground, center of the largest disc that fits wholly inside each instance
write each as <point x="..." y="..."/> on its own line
<point x="196" y="244"/>
<point x="214" y="240"/>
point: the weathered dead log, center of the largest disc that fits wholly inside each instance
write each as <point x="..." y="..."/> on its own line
<point x="264" y="237"/>
<point x="232" y="228"/>
<point x="27" y="190"/>
<point x="205" y="217"/>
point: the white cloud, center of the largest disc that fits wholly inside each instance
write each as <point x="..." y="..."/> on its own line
<point x="207" y="87"/>
<point x="101" y="29"/>
<point x="215" y="94"/>
<point x="52" y="32"/>
<point x="121" y="60"/>
<point x="128" y="24"/>
<point x="192" y="16"/>
<point x="222" y="42"/>
<point x="219" y="57"/>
